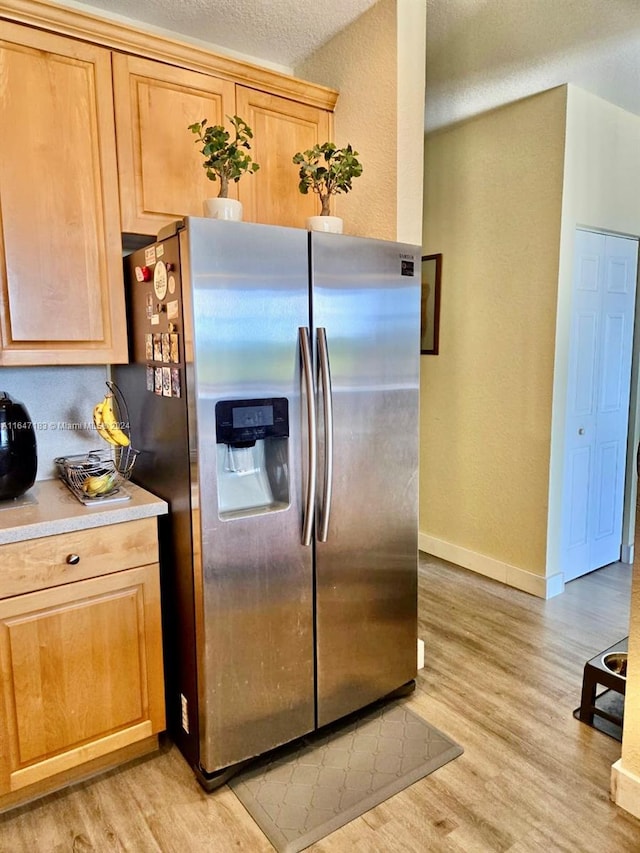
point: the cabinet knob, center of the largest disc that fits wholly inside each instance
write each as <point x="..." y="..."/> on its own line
<point x="73" y="559"/>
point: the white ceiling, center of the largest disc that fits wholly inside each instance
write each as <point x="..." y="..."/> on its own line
<point x="279" y="32"/>
<point x="485" y="53"/>
<point x="480" y="53"/>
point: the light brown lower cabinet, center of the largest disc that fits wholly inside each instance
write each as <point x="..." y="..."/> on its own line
<point x="81" y="669"/>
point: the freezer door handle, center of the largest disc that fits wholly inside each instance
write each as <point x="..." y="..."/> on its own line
<point x="327" y="411"/>
<point x="307" y="377"/>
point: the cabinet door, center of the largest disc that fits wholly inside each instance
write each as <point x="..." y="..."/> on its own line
<point x="81" y="668"/>
<point x="280" y="128"/>
<point x="61" y="288"/>
<point x="159" y="159"/>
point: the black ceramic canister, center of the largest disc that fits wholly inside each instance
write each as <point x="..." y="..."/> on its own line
<point x="18" y="452"/>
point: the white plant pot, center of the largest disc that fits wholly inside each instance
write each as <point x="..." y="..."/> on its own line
<point x="223" y="208"/>
<point x="332" y="224"/>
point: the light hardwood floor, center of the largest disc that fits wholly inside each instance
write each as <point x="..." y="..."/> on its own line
<point x="502" y="677"/>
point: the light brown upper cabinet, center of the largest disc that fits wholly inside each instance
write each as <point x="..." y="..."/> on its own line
<point x="281" y="127"/>
<point x="72" y="178"/>
<point x="159" y="159"/>
<point x="61" y="293"/>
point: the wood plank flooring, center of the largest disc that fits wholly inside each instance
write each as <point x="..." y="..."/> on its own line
<point x="503" y="674"/>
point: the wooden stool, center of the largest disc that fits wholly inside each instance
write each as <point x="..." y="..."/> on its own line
<point x="595" y="672"/>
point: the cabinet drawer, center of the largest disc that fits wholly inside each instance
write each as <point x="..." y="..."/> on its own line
<point x="50" y="560"/>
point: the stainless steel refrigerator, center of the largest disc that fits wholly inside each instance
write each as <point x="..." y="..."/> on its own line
<point x="273" y="394"/>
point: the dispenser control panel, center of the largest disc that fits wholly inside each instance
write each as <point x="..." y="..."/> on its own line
<point x="243" y="422"/>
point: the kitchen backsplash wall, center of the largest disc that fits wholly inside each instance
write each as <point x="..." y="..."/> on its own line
<point x="60" y="402"/>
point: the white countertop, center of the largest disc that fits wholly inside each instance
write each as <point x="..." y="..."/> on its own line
<point x="50" y="508"/>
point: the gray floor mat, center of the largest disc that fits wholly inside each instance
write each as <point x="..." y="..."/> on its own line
<point x="304" y="791"/>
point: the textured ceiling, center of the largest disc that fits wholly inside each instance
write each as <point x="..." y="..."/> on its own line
<point x="281" y="32"/>
<point x="485" y="53"/>
<point x="480" y="53"/>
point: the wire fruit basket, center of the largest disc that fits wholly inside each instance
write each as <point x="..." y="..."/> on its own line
<point x="92" y="477"/>
<point x="97" y="476"/>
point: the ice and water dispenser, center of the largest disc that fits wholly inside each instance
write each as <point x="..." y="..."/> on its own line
<point x="252" y="455"/>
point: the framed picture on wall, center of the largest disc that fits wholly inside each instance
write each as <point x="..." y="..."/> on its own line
<point x="430" y="304"/>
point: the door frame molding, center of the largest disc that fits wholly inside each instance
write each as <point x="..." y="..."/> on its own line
<point x="633" y="437"/>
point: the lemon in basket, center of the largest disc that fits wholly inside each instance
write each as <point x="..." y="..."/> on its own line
<point x="95" y="486"/>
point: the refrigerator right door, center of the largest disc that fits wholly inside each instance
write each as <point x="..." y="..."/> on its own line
<point x="366" y="316"/>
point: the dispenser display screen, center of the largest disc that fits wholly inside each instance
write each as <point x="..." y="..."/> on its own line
<point x="241" y="423"/>
<point x="252" y="416"/>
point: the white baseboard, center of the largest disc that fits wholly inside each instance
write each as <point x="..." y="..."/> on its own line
<point x="625" y="789"/>
<point x="420" y="653"/>
<point x="626" y="554"/>
<point x="543" y="587"/>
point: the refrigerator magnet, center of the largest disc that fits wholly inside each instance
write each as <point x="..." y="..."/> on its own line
<point x="150" y="378"/>
<point x="172" y="309"/>
<point x="173" y="349"/>
<point x="150" y="255"/>
<point x="175" y="381"/>
<point x="160" y="280"/>
<point x="148" y="347"/>
<point x="166" y="348"/>
<point x="166" y="381"/>
<point x="157" y="380"/>
<point x="157" y="346"/>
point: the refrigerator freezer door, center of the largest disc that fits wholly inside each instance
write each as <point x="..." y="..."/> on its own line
<point x="249" y="286"/>
<point x="366" y="570"/>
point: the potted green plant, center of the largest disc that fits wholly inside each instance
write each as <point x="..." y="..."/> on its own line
<point x="225" y="159"/>
<point x="327" y="170"/>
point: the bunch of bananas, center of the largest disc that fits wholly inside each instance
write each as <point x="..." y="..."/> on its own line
<point x="106" y="423"/>
<point x="100" y="484"/>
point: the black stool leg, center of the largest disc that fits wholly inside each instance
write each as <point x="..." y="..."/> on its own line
<point x="588" y="701"/>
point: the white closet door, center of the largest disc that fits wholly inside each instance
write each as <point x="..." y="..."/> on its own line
<point x="601" y="345"/>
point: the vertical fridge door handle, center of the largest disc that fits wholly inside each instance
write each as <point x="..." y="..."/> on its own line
<point x="327" y="410"/>
<point x="307" y="375"/>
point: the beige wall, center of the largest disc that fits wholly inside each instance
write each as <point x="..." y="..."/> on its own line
<point x="493" y="196"/>
<point x="377" y="65"/>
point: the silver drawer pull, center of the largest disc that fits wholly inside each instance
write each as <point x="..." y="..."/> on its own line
<point x="73" y="559"/>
